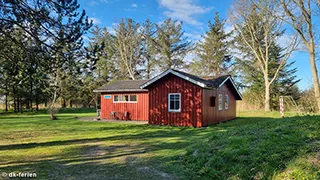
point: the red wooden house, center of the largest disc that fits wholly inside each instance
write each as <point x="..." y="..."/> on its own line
<point x="171" y="98"/>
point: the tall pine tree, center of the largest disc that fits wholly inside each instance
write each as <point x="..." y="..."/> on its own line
<point x="213" y="56"/>
<point x="171" y="45"/>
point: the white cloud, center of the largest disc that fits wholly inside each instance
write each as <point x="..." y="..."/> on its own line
<point x="134" y="5"/>
<point x="97" y="2"/>
<point x="111" y="28"/>
<point x="95" y="21"/>
<point x="228" y="28"/>
<point x="105" y="1"/>
<point x="93" y="3"/>
<point x="194" y="36"/>
<point x="85" y="38"/>
<point x="183" y="10"/>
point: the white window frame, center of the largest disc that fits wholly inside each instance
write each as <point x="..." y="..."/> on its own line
<point x="226" y="101"/>
<point x="129" y="100"/>
<point x="132" y="95"/>
<point x="174" y="110"/>
<point x="220" y="102"/>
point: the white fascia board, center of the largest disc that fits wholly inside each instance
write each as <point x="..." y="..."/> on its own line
<point x="229" y="78"/>
<point x="175" y="73"/>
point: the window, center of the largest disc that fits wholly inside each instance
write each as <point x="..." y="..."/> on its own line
<point x="174" y="102"/>
<point x="115" y="98"/>
<point x="213" y="101"/>
<point x="125" y="98"/>
<point x="220" y="101"/>
<point x="133" y="98"/>
<point x="226" y="102"/>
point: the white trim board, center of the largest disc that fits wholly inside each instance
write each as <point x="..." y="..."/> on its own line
<point x="172" y="72"/>
<point x="235" y="87"/>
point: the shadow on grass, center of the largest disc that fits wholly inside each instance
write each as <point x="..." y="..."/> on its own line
<point x="45" y="111"/>
<point x="246" y="148"/>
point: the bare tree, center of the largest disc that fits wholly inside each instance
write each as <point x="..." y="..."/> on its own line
<point x="299" y="14"/>
<point x="259" y="31"/>
<point x="128" y="43"/>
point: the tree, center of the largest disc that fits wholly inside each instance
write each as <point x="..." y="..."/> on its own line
<point x="65" y="46"/>
<point x="299" y="14"/>
<point x="45" y="38"/>
<point x="100" y="64"/>
<point x="128" y="42"/>
<point x="259" y="30"/>
<point x="170" y="44"/>
<point x="213" y="50"/>
<point x="149" y="51"/>
<point x="283" y="85"/>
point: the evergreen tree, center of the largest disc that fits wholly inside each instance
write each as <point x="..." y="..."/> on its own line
<point x="149" y="51"/>
<point x="213" y="50"/>
<point x="171" y="45"/>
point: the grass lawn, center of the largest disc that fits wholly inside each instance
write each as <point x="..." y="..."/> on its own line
<point x="256" y="145"/>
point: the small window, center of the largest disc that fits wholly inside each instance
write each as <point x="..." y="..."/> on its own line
<point x="133" y="98"/>
<point x="174" y="102"/>
<point x="226" y="102"/>
<point x="126" y="98"/>
<point x="115" y="98"/>
<point x="220" y="101"/>
<point x="213" y="101"/>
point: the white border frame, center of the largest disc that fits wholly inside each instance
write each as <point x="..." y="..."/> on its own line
<point x="124" y="101"/>
<point x="170" y="110"/>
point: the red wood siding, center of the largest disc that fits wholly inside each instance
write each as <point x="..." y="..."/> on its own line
<point x="212" y="115"/>
<point x="137" y="111"/>
<point x="191" y="97"/>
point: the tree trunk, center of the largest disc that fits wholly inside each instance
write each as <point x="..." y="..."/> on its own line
<point x="21" y="105"/>
<point x="14" y="104"/>
<point x="37" y="106"/>
<point x="64" y="105"/>
<point x="6" y="102"/>
<point x="267" y="93"/>
<point x="31" y="94"/>
<point x="6" y="97"/>
<point x="52" y="106"/>
<point x="148" y="70"/>
<point x="18" y="105"/>
<point x="315" y="78"/>
<point x="70" y="103"/>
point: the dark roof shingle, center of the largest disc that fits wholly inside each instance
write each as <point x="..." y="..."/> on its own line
<point x="212" y="82"/>
<point x="125" y="85"/>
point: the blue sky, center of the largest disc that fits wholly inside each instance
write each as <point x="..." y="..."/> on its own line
<point x="195" y="15"/>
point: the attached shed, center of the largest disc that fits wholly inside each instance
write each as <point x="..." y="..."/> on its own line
<point x="181" y="99"/>
<point x="124" y="100"/>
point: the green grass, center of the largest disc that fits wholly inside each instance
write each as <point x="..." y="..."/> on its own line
<point x="256" y="145"/>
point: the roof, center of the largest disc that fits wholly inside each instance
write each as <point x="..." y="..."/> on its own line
<point x="122" y="86"/>
<point x="211" y="83"/>
<point x="140" y="85"/>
